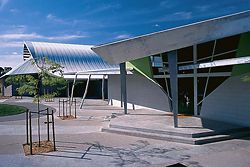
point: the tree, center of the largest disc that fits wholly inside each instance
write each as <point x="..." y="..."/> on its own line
<point x="50" y="78"/>
<point x="25" y="83"/>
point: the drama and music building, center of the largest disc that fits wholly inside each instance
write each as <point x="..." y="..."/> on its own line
<point x="197" y="69"/>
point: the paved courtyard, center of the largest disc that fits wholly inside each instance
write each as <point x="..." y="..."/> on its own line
<point x="81" y="143"/>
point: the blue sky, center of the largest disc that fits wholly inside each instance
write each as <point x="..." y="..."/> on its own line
<point x="97" y="21"/>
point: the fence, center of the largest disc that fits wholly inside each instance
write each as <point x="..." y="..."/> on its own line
<point x="66" y="106"/>
<point x="48" y="122"/>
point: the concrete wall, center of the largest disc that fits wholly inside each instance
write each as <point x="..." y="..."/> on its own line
<point x="141" y="93"/>
<point x="230" y="102"/>
<point x="8" y="90"/>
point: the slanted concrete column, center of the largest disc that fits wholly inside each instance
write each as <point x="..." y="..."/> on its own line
<point x="123" y="74"/>
<point x="173" y="71"/>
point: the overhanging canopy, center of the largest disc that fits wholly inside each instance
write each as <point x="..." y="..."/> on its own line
<point x="175" y="38"/>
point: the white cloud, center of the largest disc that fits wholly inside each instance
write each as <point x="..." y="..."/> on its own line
<point x="55" y="19"/>
<point x="14" y="53"/>
<point x="183" y="15"/>
<point x="3" y="3"/>
<point x="11" y="60"/>
<point x="123" y="36"/>
<point x="58" y="20"/>
<point x="14" y="11"/>
<point x="65" y="37"/>
<point x="203" y="8"/>
<point x="32" y="36"/>
<point x="50" y="17"/>
<point x="20" y="36"/>
<point x="11" y="44"/>
<point x="102" y="8"/>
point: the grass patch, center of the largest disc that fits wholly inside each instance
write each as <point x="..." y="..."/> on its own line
<point x="6" y="110"/>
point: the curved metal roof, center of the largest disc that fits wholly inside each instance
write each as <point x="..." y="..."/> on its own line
<point x="27" y="67"/>
<point x="74" y="58"/>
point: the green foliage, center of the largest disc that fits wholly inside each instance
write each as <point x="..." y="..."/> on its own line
<point x="31" y="84"/>
<point x="26" y="84"/>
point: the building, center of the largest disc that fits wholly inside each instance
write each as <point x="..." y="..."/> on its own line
<point x="80" y="65"/>
<point x="201" y="69"/>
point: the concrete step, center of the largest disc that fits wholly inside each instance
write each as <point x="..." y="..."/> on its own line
<point x="172" y="138"/>
<point x="182" y="134"/>
<point x="168" y="132"/>
<point x="179" y="139"/>
<point x="222" y="137"/>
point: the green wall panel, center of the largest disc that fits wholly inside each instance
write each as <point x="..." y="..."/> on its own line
<point x="243" y="50"/>
<point x="143" y="66"/>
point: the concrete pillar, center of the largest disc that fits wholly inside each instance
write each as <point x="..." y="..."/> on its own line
<point x="173" y="71"/>
<point x="123" y="74"/>
<point x="195" y="81"/>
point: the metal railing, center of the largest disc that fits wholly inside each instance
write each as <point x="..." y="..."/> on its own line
<point x="66" y="107"/>
<point x="29" y="121"/>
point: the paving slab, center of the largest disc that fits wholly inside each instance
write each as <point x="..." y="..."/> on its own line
<point x="80" y="143"/>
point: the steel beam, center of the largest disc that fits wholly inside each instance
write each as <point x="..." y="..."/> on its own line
<point x="173" y="71"/>
<point x="123" y="74"/>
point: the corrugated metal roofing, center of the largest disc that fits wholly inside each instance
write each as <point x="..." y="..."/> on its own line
<point x="27" y="67"/>
<point x="74" y="58"/>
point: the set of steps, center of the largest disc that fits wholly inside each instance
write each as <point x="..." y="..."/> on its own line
<point x="197" y="138"/>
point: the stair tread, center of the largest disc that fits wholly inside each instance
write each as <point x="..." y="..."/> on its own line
<point x="155" y="134"/>
<point x="183" y="134"/>
<point x="196" y="140"/>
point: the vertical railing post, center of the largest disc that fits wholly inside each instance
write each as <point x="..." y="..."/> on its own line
<point x="68" y="103"/>
<point x="38" y="129"/>
<point x="63" y="109"/>
<point x="59" y="108"/>
<point x="48" y="123"/>
<point x="27" y="126"/>
<point x="30" y="124"/>
<point x="53" y="130"/>
<point x="75" y="108"/>
<point x="66" y="107"/>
